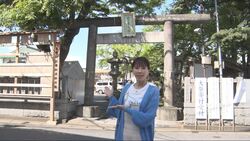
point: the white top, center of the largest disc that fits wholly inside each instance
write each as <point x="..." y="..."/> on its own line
<point x="132" y="99"/>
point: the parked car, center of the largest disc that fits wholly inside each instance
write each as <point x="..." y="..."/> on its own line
<point x="100" y="86"/>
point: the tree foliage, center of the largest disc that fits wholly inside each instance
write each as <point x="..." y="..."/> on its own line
<point x="63" y="14"/>
<point x="233" y="37"/>
<point x="128" y="52"/>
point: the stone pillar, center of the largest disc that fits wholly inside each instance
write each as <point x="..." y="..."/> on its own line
<point x="168" y="63"/>
<point x="168" y="111"/>
<point x="90" y="66"/>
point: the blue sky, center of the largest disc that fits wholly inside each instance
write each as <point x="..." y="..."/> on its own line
<point x="78" y="48"/>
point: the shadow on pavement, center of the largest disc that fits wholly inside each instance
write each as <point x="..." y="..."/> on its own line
<point x="13" y="133"/>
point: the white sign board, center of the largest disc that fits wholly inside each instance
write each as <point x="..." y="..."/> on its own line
<point x="128" y="24"/>
<point x="213" y="98"/>
<point x="200" y="98"/>
<point x="240" y="95"/>
<point x="227" y="99"/>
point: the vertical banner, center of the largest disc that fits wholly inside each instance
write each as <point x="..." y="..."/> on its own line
<point x="213" y="98"/>
<point x="227" y="98"/>
<point x="200" y="98"/>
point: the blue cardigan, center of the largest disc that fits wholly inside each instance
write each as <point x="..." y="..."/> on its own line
<point x="144" y="118"/>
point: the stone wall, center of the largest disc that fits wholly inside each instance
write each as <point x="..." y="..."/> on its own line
<point x="64" y="110"/>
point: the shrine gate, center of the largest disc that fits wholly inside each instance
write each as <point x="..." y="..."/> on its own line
<point x="170" y="112"/>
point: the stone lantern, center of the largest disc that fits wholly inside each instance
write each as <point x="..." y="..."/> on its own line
<point x="114" y="73"/>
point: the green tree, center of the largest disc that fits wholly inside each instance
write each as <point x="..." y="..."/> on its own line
<point x="233" y="37"/>
<point x="128" y="52"/>
<point x="63" y="15"/>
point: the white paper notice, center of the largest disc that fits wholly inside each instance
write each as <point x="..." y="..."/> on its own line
<point x="213" y="98"/>
<point x="227" y="99"/>
<point x="200" y="98"/>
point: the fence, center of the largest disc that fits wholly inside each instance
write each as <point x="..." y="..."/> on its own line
<point x="30" y="79"/>
<point x="211" y="101"/>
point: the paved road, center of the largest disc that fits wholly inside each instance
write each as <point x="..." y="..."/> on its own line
<point x="34" y="133"/>
<point x="20" y="132"/>
<point x="207" y="136"/>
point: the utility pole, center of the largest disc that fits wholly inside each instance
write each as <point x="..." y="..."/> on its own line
<point x="218" y="46"/>
<point x="220" y="61"/>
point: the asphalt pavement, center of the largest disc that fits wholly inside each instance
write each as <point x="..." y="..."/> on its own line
<point x="81" y="128"/>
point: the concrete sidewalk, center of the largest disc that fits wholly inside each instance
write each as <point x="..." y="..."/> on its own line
<point x="103" y="124"/>
<point x="161" y="125"/>
<point x="85" y="123"/>
<point x="110" y="124"/>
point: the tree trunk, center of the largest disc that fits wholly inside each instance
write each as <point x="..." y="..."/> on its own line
<point x="66" y="42"/>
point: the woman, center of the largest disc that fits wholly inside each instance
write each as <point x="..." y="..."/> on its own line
<point x="136" y="107"/>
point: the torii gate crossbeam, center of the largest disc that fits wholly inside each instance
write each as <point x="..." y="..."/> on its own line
<point x="145" y="20"/>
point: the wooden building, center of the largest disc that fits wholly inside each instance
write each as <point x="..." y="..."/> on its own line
<point x="31" y="71"/>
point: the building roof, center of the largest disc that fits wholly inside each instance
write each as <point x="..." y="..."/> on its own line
<point x="72" y="69"/>
<point x="23" y="49"/>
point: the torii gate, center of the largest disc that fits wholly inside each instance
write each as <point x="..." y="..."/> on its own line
<point x="166" y="36"/>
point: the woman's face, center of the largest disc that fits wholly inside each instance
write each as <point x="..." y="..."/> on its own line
<point x="141" y="73"/>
